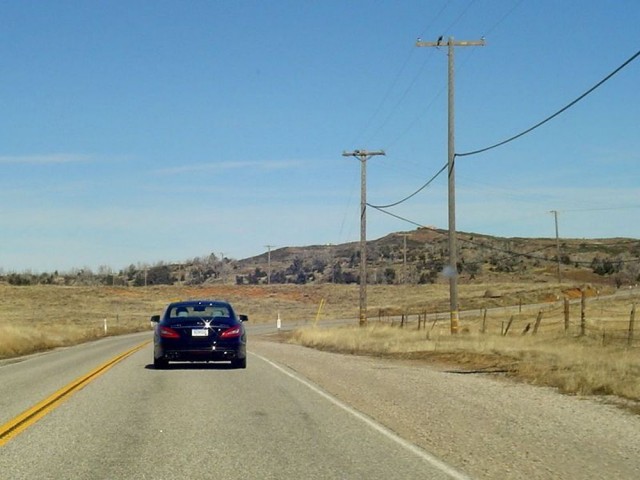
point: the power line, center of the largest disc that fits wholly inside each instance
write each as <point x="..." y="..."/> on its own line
<point x="504" y="17"/>
<point x="599" y="209"/>
<point x="412" y="83"/>
<point x="401" y="218"/>
<point x="414" y="193"/>
<point x="394" y="83"/>
<point x="509" y="252"/>
<point x="415" y="78"/>
<point x="455" y="22"/>
<point x="384" y="99"/>
<point x="414" y="122"/>
<point x="563" y="109"/>
<point x="402" y="97"/>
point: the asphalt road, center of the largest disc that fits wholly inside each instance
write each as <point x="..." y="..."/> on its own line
<point x="298" y="413"/>
<point x="192" y="421"/>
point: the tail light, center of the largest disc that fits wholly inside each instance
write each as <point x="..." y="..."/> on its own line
<point x="232" y="332"/>
<point x="166" y="332"/>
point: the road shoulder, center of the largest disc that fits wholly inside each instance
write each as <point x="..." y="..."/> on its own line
<point x="487" y="427"/>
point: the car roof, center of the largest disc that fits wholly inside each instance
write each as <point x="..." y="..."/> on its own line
<point x="189" y="303"/>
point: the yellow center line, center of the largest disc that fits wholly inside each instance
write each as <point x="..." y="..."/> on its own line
<point x="35" y="413"/>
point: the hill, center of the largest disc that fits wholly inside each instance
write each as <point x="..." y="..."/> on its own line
<point x="420" y="256"/>
<point x="412" y="257"/>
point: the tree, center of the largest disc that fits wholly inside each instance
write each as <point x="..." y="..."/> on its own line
<point x="602" y="267"/>
<point x="629" y="274"/>
<point x="256" y="276"/>
<point x="319" y="265"/>
<point x="336" y="273"/>
<point x="19" y="279"/>
<point x="160" y="275"/>
<point x="389" y="275"/>
<point x="131" y="272"/>
<point x="296" y="267"/>
<point x="472" y="269"/>
<point x="428" y="277"/>
<point x="278" y="277"/>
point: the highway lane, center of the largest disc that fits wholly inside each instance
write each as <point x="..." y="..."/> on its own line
<point x="27" y="380"/>
<point x="275" y="422"/>
<point x="207" y="421"/>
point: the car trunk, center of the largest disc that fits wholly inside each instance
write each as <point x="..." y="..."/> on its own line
<point x="196" y="333"/>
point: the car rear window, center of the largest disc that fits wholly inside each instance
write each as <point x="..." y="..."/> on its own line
<point x="215" y="312"/>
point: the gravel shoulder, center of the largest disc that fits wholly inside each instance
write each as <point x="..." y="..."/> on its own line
<point x="487" y="426"/>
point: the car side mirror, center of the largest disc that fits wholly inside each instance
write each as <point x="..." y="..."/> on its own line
<point x="243" y="318"/>
<point x="155" y="319"/>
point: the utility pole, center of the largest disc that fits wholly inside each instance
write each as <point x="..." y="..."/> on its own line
<point x="269" y="263"/>
<point x="453" y="247"/>
<point x="222" y="274"/>
<point x="404" y="259"/>
<point x="363" y="156"/>
<point x="555" y="215"/>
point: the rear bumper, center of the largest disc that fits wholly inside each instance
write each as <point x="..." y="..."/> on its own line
<point x="208" y="355"/>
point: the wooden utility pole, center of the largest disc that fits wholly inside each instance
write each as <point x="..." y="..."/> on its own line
<point x="555" y="216"/>
<point x="269" y="247"/>
<point x="453" y="247"/>
<point x="583" y="314"/>
<point x="363" y="156"/>
<point x="404" y="259"/>
<point x="632" y="321"/>
<point x="222" y="274"/>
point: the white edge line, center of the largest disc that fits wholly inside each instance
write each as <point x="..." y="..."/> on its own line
<point x="434" y="461"/>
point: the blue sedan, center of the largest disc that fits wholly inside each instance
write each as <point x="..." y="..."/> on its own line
<point x="199" y="331"/>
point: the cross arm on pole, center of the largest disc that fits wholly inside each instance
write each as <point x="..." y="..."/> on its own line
<point x="459" y="43"/>
<point x="363" y="154"/>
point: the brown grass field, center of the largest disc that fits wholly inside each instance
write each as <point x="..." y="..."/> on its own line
<point x="604" y="361"/>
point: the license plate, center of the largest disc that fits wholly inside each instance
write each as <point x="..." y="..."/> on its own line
<point x="199" y="332"/>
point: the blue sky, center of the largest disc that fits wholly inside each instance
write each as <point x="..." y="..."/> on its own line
<point x="147" y="131"/>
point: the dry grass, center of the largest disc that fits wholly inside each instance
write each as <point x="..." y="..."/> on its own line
<point x="573" y="365"/>
<point x="598" y="363"/>
<point x="41" y="317"/>
<point x="38" y="318"/>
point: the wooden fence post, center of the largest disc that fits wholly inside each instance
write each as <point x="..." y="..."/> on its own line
<point x="632" y="321"/>
<point x="583" y="318"/>
<point x="435" y="320"/>
<point x="484" y="322"/>
<point x="508" y="326"/>
<point x="566" y="314"/>
<point x="537" y="324"/>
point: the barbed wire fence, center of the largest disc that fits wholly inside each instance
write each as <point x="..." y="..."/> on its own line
<point x="609" y="320"/>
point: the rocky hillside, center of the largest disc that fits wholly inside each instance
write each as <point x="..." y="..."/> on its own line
<point x="421" y="256"/>
<point x="414" y="257"/>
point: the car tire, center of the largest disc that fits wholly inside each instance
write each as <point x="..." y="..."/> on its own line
<point x="160" y="363"/>
<point x="239" y="363"/>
